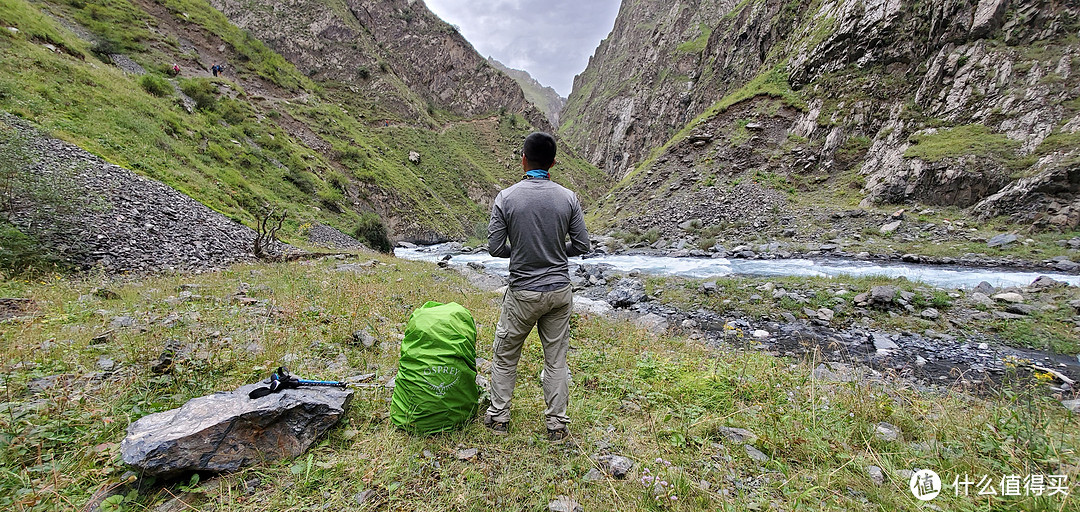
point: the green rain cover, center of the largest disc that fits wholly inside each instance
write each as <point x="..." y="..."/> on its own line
<point x="435" y="388"/>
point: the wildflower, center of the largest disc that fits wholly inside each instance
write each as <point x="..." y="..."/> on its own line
<point x="674" y="498"/>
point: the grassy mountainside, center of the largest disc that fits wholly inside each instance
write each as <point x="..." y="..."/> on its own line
<point x="262" y="134"/>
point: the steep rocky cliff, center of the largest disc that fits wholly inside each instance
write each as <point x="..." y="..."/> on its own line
<point x="947" y="103"/>
<point x="395" y="52"/>
<point x="545" y="98"/>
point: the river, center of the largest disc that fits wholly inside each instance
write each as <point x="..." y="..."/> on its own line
<point x="949" y="277"/>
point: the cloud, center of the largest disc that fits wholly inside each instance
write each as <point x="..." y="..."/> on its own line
<point x="552" y="40"/>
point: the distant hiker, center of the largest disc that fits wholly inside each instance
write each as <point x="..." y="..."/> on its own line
<point x="530" y="222"/>
<point x="175" y="69"/>
<point x="214" y="69"/>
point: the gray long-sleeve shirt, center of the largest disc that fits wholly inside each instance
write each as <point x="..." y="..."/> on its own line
<point x="529" y="224"/>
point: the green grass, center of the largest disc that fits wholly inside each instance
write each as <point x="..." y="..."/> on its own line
<point x="697" y="44"/>
<point x="971" y="139"/>
<point x="641" y="396"/>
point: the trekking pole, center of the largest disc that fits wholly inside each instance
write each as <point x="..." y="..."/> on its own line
<point x="282" y="379"/>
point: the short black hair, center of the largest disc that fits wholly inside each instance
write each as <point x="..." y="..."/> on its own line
<point x="539" y="150"/>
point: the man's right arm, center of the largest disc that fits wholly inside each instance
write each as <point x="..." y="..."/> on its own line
<point x="497" y="241"/>
<point x="579" y="236"/>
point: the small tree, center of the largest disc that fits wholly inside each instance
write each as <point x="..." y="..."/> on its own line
<point x="266" y="229"/>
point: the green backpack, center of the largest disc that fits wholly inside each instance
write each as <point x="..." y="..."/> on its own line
<point x="435" y="388"/>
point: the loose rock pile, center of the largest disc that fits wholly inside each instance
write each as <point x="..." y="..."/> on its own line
<point x="321" y="234"/>
<point x="125" y="222"/>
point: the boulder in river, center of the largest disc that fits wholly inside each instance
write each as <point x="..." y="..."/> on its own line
<point x="227" y="431"/>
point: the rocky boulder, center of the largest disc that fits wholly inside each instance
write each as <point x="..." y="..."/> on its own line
<point x="627" y="293"/>
<point x="227" y="431"/>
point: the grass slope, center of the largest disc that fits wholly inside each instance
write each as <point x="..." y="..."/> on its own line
<point x="662" y="401"/>
<point x="263" y="135"/>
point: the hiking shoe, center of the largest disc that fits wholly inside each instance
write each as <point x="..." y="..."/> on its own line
<point x="498" y="428"/>
<point x="558" y="435"/>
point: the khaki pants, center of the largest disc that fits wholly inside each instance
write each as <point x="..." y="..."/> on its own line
<point x="550" y="313"/>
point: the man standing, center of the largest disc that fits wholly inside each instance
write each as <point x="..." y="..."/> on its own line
<point x="530" y="222"/>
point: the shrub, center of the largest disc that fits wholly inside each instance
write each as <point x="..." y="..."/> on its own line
<point x="303" y="180"/>
<point x="202" y="91"/>
<point x="20" y="252"/>
<point x="337" y="180"/>
<point x="372" y="232"/>
<point x="234" y="112"/>
<point x="156" y="85"/>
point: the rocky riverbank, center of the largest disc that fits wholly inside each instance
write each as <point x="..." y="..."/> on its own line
<point x="925" y="336"/>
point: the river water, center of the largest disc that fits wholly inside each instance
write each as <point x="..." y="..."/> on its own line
<point x="949" y="277"/>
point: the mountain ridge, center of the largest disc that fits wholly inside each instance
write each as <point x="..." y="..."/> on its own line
<point x="544" y="97"/>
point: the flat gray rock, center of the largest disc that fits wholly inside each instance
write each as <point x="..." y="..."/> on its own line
<point x="227" y="431"/>
<point x="755" y="454"/>
<point x="565" y="504"/>
<point x="615" y="465"/>
<point x="738" y="435"/>
<point x="887" y="431"/>
<point x="1001" y="240"/>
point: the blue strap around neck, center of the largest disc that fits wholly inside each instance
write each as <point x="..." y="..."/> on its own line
<point x="537" y="173"/>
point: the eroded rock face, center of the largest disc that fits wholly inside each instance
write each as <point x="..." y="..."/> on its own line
<point x="380" y="44"/>
<point x="922" y="99"/>
<point x="227" y="431"/>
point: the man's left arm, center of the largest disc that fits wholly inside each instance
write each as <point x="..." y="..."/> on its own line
<point x="579" y="236"/>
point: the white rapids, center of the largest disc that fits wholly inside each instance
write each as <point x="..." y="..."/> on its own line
<point x="702" y="268"/>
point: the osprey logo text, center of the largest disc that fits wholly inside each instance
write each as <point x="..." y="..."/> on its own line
<point x="440" y="389"/>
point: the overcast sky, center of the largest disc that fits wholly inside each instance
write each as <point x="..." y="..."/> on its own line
<point x="551" y="39"/>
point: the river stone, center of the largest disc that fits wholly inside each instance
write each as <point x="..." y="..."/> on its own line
<point x="615" y="465"/>
<point x="876" y="474"/>
<point x="887" y="431"/>
<point x="1072" y="405"/>
<point x="890" y="227"/>
<point x="930" y="314"/>
<point x="981" y="298"/>
<point x="825" y="314"/>
<point x="755" y="454"/>
<point x="1001" y="240"/>
<point x="883" y="294"/>
<point x="565" y="504"/>
<point x="1066" y="266"/>
<point x="626" y="293"/>
<point x="984" y="288"/>
<point x="1021" y="309"/>
<point x="882" y="342"/>
<point x="587" y="306"/>
<point x="737" y="435"/>
<point x="227" y="431"/>
<point x="1011" y="297"/>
